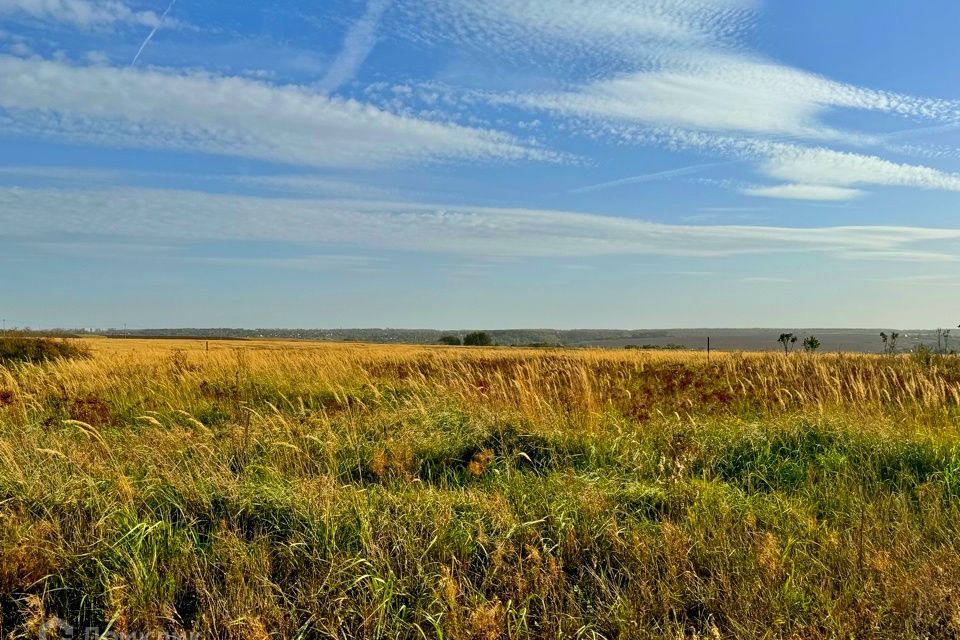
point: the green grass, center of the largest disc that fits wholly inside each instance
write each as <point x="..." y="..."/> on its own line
<point x="15" y="347"/>
<point x="284" y="509"/>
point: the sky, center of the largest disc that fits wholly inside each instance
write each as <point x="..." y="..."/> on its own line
<point x="479" y="163"/>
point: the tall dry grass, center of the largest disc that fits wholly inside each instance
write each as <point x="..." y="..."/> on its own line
<point x="263" y="489"/>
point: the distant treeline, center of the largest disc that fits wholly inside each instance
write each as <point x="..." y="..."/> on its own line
<point x="509" y="337"/>
<point x="746" y="339"/>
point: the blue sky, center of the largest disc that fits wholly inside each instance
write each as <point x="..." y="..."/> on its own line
<point x="479" y="163"/>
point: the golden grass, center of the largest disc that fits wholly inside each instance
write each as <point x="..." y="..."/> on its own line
<point x="293" y="489"/>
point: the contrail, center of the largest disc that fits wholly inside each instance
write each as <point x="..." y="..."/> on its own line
<point x="650" y="177"/>
<point x="907" y="133"/>
<point x="155" y="29"/>
<point x="357" y="45"/>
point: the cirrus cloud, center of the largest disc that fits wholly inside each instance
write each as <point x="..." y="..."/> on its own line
<point x="189" y="216"/>
<point x="80" y="13"/>
<point x="226" y="115"/>
<point x="803" y="192"/>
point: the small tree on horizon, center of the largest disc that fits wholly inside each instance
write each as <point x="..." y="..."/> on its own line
<point x="811" y="344"/>
<point x="451" y="340"/>
<point x="889" y="341"/>
<point x="478" y="339"/>
<point x="787" y="340"/>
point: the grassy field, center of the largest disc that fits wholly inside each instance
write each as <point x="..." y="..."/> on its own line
<point x="282" y="490"/>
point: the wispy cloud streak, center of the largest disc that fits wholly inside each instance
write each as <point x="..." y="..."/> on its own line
<point x="185" y="216"/>
<point x="357" y="45"/>
<point x="651" y="177"/>
<point x="651" y="73"/>
<point x="803" y="192"/>
<point x="85" y="14"/>
<point x="152" y="33"/>
<point x="225" y="115"/>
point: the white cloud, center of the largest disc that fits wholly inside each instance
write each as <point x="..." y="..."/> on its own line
<point x="901" y="256"/>
<point x="724" y="92"/>
<point x="462" y="230"/>
<point x="808" y="166"/>
<point x="803" y="192"/>
<point x="676" y="73"/>
<point x="820" y="166"/>
<point x="662" y="63"/>
<point x="230" y="116"/>
<point x="80" y="13"/>
<point x="602" y="32"/>
<point x="357" y="45"/>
